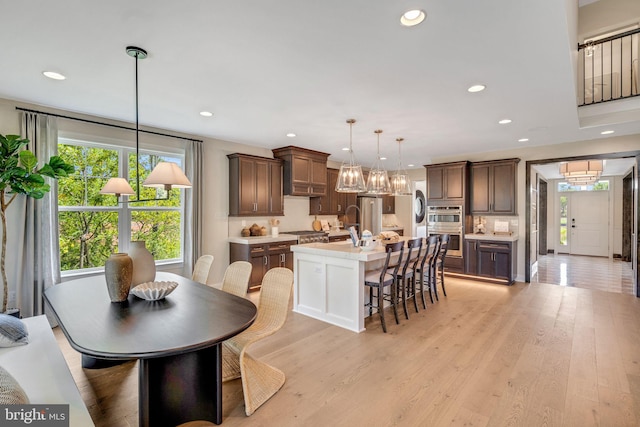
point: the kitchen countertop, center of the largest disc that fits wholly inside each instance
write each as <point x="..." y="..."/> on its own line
<point x="282" y="237"/>
<point x="512" y="238"/>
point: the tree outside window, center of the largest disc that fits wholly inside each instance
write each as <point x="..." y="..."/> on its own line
<point x="92" y="226"/>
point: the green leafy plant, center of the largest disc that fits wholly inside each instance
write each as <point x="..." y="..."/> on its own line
<point x="19" y="174"/>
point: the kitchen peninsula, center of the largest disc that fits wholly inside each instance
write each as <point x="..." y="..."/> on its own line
<point x="329" y="281"/>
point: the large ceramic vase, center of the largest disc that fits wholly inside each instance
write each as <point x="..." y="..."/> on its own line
<point x="118" y="269"/>
<point x="144" y="266"/>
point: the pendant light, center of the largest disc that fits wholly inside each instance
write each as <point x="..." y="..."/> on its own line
<point x="400" y="181"/>
<point x="165" y="175"/>
<point x="378" y="180"/>
<point x="350" y="178"/>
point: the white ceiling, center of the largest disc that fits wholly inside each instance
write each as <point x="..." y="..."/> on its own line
<point x="265" y="68"/>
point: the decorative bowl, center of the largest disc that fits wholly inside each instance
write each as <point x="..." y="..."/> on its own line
<point x="153" y="291"/>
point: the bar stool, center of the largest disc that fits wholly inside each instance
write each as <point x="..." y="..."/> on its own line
<point x="426" y="265"/>
<point x="407" y="273"/>
<point x="385" y="277"/>
<point x="439" y="265"/>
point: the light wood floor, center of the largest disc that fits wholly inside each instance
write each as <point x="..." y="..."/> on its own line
<point x="486" y="355"/>
<point x="611" y="275"/>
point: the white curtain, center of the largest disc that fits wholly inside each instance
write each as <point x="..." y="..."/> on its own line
<point x="193" y="206"/>
<point x="41" y="254"/>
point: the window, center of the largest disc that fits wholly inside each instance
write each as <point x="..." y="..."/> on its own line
<point x="92" y="226"/>
<point x="601" y="185"/>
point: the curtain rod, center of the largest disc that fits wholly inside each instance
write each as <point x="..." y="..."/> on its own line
<point x="105" y="124"/>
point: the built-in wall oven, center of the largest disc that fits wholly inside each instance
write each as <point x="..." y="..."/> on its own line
<point x="449" y="220"/>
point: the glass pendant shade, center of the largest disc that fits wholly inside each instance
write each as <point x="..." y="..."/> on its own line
<point x="350" y="179"/>
<point x="400" y="181"/>
<point x="378" y="180"/>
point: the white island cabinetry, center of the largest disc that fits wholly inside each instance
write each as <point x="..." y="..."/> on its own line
<point x="329" y="282"/>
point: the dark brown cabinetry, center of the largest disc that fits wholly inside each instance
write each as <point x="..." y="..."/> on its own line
<point x="490" y="260"/>
<point x="388" y="204"/>
<point x="255" y="186"/>
<point x="493" y="187"/>
<point x="447" y="183"/>
<point x="340" y="238"/>
<point x="305" y="171"/>
<point x="333" y="203"/>
<point x="263" y="257"/>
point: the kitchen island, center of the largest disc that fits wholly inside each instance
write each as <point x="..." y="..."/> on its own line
<point x="329" y="281"/>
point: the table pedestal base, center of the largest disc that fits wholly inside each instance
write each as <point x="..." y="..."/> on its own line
<point x="181" y="388"/>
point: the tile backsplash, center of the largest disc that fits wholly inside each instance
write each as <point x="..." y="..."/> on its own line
<point x="486" y="224"/>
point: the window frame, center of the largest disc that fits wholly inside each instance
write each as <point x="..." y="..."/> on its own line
<point x="124" y="210"/>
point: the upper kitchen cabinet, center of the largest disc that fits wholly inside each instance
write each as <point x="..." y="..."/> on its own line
<point x="493" y="187"/>
<point x="255" y="186"/>
<point x="333" y="203"/>
<point x="447" y="183"/>
<point x="388" y="204"/>
<point x="305" y="171"/>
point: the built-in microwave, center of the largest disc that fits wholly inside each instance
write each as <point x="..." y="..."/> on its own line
<point x="444" y="214"/>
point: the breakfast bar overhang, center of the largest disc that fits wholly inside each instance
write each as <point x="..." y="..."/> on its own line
<point x="329" y="282"/>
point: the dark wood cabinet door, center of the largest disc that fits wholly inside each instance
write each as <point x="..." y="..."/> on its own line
<point x="504" y="192"/>
<point x="502" y="265"/>
<point x="485" y="263"/>
<point x="247" y="186"/>
<point x="480" y="186"/>
<point x="259" y="268"/>
<point x="275" y="182"/>
<point x="471" y="257"/>
<point x="262" y="192"/>
<point x="288" y="260"/>
<point x="454" y="183"/>
<point x="435" y="183"/>
<point x="388" y="204"/>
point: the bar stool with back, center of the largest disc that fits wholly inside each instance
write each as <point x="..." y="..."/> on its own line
<point x="425" y="270"/>
<point x="382" y="278"/>
<point x="438" y="276"/>
<point x="407" y="274"/>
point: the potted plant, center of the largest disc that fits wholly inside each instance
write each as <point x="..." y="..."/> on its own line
<point x="19" y="174"/>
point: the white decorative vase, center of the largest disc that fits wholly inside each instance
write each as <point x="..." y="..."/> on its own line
<point x="144" y="266"/>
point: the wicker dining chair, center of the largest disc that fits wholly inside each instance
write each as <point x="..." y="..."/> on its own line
<point x="201" y="269"/>
<point x="236" y="278"/>
<point x="260" y="381"/>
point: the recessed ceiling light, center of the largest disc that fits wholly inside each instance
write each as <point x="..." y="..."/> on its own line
<point x="607" y="132"/>
<point x="410" y="165"/>
<point x="505" y="121"/>
<point x="206" y="113"/>
<point x="291" y="135"/>
<point x="53" y="75"/>
<point x="346" y="149"/>
<point x="476" y="88"/>
<point x="412" y="17"/>
<point x="383" y="158"/>
<point x="523" y="140"/>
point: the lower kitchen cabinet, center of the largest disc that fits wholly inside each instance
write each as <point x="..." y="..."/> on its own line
<point x="489" y="259"/>
<point x="263" y="257"/>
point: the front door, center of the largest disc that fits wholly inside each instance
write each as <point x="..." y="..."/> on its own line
<point x="588" y="224"/>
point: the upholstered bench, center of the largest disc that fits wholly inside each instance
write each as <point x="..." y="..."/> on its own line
<point x="42" y="372"/>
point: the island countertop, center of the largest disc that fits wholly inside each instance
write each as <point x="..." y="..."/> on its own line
<point x="344" y="250"/>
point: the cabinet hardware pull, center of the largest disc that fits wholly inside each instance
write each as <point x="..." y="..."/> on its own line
<point x="266" y="260"/>
<point x="320" y="209"/>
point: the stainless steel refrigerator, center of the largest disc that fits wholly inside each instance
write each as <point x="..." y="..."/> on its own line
<point x="370" y="214"/>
